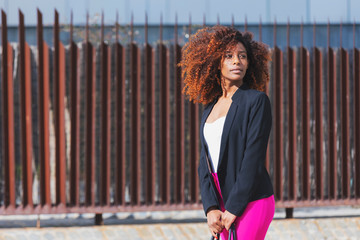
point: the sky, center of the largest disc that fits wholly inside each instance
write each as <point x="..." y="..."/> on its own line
<point x="268" y="10"/>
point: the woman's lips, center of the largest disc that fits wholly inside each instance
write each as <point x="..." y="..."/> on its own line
<point x="236" y="70"/>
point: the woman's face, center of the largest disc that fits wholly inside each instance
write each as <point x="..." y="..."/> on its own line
<point x="234" y="63"/>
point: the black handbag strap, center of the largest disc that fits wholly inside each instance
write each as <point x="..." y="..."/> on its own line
<point x="232" y="232"/>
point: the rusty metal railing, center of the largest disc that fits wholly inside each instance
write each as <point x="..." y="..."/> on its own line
<point x="104" y="127"/>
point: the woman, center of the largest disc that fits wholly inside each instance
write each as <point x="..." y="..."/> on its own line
<point x="227" y="71"/>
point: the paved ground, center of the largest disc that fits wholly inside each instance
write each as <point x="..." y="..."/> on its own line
<point x="308" y="223"/>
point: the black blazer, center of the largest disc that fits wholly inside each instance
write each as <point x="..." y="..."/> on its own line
<point x="241" y="170"/>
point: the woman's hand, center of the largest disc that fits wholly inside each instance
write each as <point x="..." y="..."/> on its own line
<point x="227" y="219"/>
<point x="214" y="221"/>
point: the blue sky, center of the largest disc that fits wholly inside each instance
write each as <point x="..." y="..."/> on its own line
<point x="295" y="10"/>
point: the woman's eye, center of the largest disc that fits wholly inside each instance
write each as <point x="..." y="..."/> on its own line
<point x="243" y="56"/>
<point x="228" y="55"/>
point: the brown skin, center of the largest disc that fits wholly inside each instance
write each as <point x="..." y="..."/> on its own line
<point x="214" y="220"/>
<point x="233" y="69"/>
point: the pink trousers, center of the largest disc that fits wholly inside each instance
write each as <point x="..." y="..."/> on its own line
<point x="254" y="222"/>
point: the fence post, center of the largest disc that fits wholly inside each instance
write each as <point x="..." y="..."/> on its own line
<point x="150" y="116"/>
<point x="278" y="122"/>
<point x="289" y="213"/>
<point x="194" y="145"/>
<point x="179" y="123"/>
<point x="90" y="76"/>
<point x="135" y="70"/>
<point x="357" y="120"/>
<point x="305" y="120"/>
<point x="75" y="119"/>
<point x="59" y="113"/>
<point x="43" y="81"/>
<point x="26" y="114"/>
<point x="318" y="111"/>
<point x="8" y="115"/>
<point x="120" y="121"/>
<point x="99" y="221"/>
<point x="105" y="84"/>
<point x="345" y="136"/>
<point x="292" y="128"/>
<point x="332" y="129"/>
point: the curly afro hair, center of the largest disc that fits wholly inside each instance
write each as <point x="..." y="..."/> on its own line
<point x="202" y="56"/>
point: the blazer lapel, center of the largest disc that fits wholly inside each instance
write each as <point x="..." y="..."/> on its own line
<point x="227" y="126"/>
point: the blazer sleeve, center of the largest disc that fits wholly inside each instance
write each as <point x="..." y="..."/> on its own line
<point x="208" y="195"/>
<point x="258" y="130"/>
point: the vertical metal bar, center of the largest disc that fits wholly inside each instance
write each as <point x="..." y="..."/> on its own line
<point x="288" y="33"/>
<point x="245" y="24"/>
<point x="341" y="25"/>
<point x="332" y="152"/>
<point x="62" y="163"/>
<point x="328" y="34"/>
<point x="278" y="122"/>
<point x="102" y="28"/>
<point x="26" y="114"/>
<point x="301" y="33"/>
<point x="135" y="116"/>
<point x="105" y="66"/>
<point x="146" y="28"/>
<point x="43" y="80"/>
<point x="260" y="30"/>
<point x="318" y="110"/>
<point x="232" y="20"/>
<point x="117" y="27"/>
<point x="332" y="92"/>
<point x="292" y="133"/>
<point x="8" y="115"/>
<point x="150" y="121"/>
<point x="354" y="34"/>
<point x="132" y="28"/>
<point x="90" y="74"/>
<point x="314" y="34"/>
<point x="164" y="121"/>
<point x="120" y="174"/>
<point x="120" y="125"/>
<point x="357" y="121"/>
<point x="305" y="123"/>
<point x="275" y="32"/>
<point x="179" y="125"/>
<point x="194" y="146"/>
<point x="75" y="120"/>
<point x="345" y="109"/>
<point x="59" y="96"/>
<point x="87" y="28"/>
<point x="135" y="124"/>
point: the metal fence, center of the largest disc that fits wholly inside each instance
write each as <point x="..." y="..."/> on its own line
<point x="91" y="128"/>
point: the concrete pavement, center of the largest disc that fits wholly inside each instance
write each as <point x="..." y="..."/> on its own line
<point x="308" y="223"/>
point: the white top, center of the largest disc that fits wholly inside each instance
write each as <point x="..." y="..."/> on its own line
<point x="212" y="134"/>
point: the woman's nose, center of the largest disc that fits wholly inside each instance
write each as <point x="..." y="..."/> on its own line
<point x="236" y="60"/>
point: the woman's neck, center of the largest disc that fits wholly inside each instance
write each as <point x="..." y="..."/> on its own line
<point x="229" y="88"/>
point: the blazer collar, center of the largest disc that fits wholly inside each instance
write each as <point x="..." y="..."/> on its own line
<point x="244" y="86"/>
